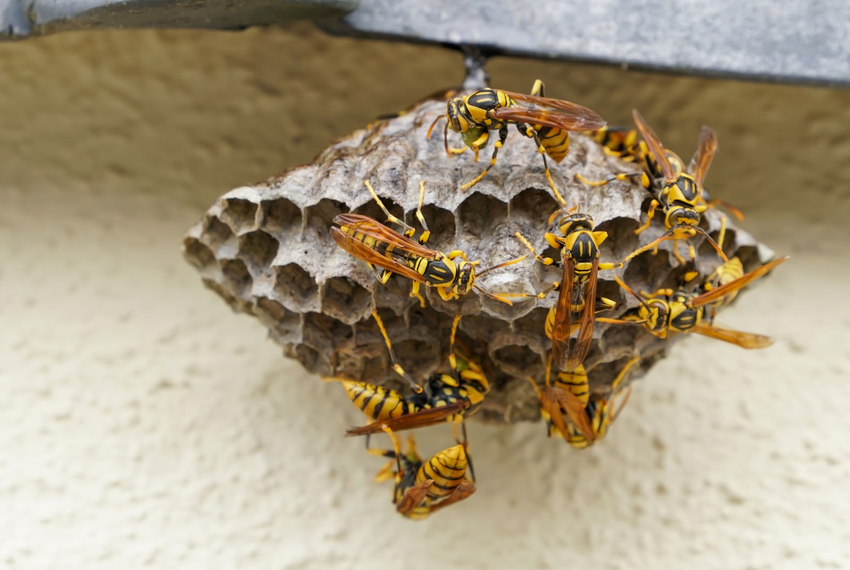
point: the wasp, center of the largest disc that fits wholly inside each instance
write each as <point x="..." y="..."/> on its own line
<point x="452" y="274"/>
<point x="542" y="119"/>
<point x="579" y="247"/>
<point x="422" y="488"/>
<point x="681" y="311"/>
<point x="725" y="273"/>
<point x="448" y="398"/>
<point x="678" y="190"/>
<point x="569" y="398"/>
<point x="622" y="142"/>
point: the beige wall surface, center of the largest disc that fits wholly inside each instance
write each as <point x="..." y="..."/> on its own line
<point x="143" y="425"/>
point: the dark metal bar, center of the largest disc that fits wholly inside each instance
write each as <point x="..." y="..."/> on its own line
<point x="793" y="41"/>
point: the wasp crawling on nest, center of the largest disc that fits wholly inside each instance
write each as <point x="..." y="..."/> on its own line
<point x="312" y="254"/>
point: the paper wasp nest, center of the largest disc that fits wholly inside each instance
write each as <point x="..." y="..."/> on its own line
<point x="267" y="251"/>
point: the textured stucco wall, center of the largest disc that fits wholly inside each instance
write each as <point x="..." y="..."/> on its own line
<point x="143" y="424"/>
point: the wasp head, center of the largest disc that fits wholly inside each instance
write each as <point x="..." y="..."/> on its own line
<point x="654" y="312"/>
<point x="682" y="216"/>
<point x="573" y="222"/>
<point x="465" y="277"/>
<point x="458" y="115"/>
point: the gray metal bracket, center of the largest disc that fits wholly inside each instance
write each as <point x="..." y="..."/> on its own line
<point x="793" y="41"/>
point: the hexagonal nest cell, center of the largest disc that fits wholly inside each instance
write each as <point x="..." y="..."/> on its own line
<point x="267" y="250"/>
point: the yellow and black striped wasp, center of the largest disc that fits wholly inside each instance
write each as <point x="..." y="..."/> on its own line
<point x="569" y="398"/>
<point x="579" y="247"/>
<point x="380" y="246"/>
<point x="678" y="191"/>
<point x="725" y="273"/>
<point x="536" y="117"/>
<point x="422" y="488"/>
<point x="448" y="398"/>
<point x="680" y="311"/>
<point x="622" y="142"/>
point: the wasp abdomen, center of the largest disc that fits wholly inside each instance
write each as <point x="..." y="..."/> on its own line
<point x="377" y="402"/>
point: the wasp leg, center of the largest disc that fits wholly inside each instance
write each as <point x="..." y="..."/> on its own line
<point x="623" y="176"/>
<point x="503" y="135"/>
<point x="414" y="292"/>
<point x="714" y="203"/>
<point x="649" y="215"/>
<point x="532" y="134"/>
<point x="408" y="230"/>
<point x="537" y="90"/>
<point x="542" y="295"/>
<point x="383" y="275"/>
<point x="394" y="454"/>
<point x="606" y="266"/>
<point x="630" y="320"/>
<point x="678" y="255"/>
<point x="452" y="357"/>
<point x="459" y="253"/>
<point x="426" y="233"/>
<point x="396" y="366"/>
<point x="722" y="235"/>
<point x="458" y="150"/>
<point x="540" y="258"/>
<point x="623" y="372"/>
<point x="604" y="304"/>
<point x="465" y="444"/>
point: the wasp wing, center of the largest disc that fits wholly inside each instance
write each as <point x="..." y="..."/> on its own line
<point x="414" y="496"/>
<point x="621" y="403"/>
<point x="742" y="339"/>
<point x="464" y="490"/>
<point x="563" y="399"/>
<point x="585" y="330"/>
<point x="563" y="322"/>
<point x="705" y="154"/>
<point x="654" y="143"/>
<point x="380" y="232"/>
<point x="549" y="113"/>
<point x="422" y="418"/>
<point x="732" y="286"/>
<point x="362" y="251"/>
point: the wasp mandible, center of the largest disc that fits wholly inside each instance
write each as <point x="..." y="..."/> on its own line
<point x="536" y="117"/>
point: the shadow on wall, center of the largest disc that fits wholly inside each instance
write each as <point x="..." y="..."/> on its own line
<point x="194" y="114"/>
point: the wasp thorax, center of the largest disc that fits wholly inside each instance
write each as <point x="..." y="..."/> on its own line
<point x="584" y="249"/>
<point x="683" y="188"/>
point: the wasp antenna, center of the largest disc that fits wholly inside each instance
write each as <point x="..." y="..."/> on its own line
<point x="487" y="293"/>
<point x="630" y="291"/>
<point x="555" y="214"/>
<point x="713" y="244"/>
<point x="431" y="128"/>
<point x="665" y="236"/>
<point x="503" y="264"/>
